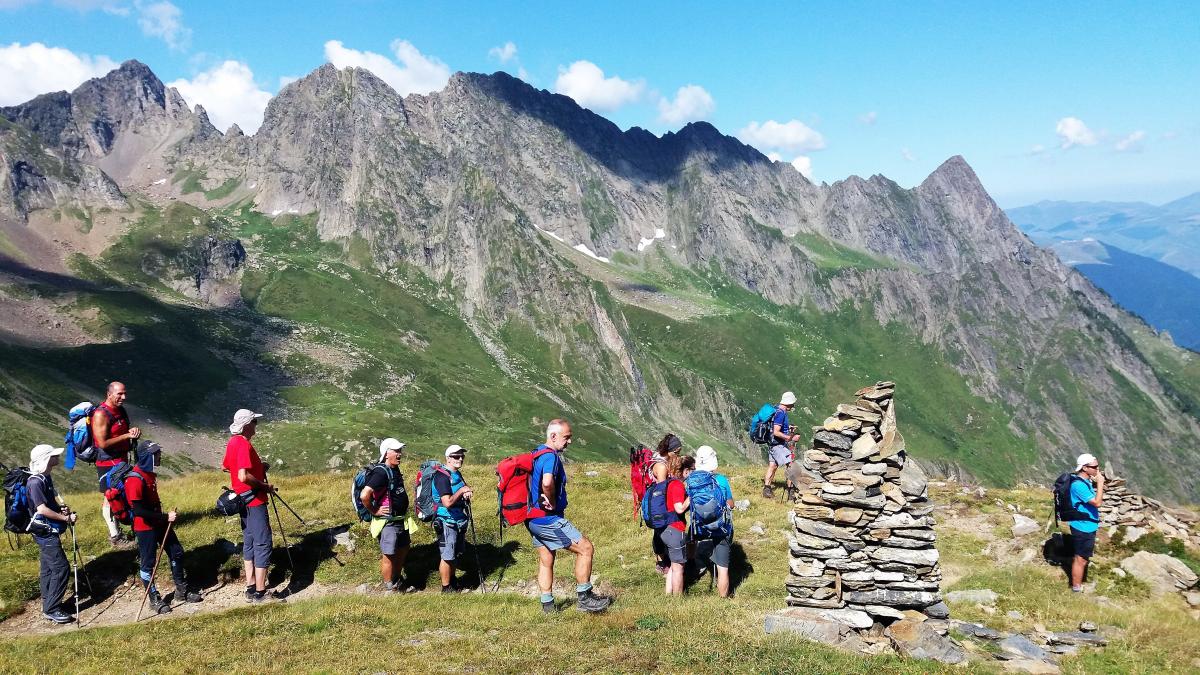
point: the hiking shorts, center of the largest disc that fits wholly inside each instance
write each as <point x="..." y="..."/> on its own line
<point x="256" y="536"/>
<point x="393" y="537"/>
<point x="451" y="539"/>
<point x="715" y="551"/>
<point x="675" y="544"/>
<point x="1083" y="543"/>
<point x="559" y="533"/>
<point x="781" y="455"/>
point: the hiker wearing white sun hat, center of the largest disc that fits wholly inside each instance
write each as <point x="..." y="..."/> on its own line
<point x="783" y="441"/>
<point x="248" y="474"/>
<point x="716" y="550"/>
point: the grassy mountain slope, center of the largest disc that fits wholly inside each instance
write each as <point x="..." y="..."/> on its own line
<point x="340" y="630"/>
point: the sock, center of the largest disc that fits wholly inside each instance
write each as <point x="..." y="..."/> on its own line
<point x="108" y="520"/>
<point x="547" y="597"/>
<point x="582" y="588"/>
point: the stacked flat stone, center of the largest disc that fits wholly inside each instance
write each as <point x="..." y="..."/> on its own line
<point x="1140" y="515"/>
<point x="862" y="530"/>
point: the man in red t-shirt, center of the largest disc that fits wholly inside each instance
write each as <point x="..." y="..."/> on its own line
<point x="150" y="527"/>
<point x="247" y="475"/>
<point x="114" y="438"/>
<point x="673" y="536"/>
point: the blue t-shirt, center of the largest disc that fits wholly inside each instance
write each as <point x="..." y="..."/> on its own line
<point x="448" y="485"/>
<point x="1081" y="493"/>
<point x="723" y="483"/>
<point x="549" y="463"/>
<point x="780" y="419"/>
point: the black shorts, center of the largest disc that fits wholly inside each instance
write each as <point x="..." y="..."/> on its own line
<point x="1083" y="543"/>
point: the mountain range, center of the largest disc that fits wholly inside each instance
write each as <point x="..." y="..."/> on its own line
<point x="464" y="265"/>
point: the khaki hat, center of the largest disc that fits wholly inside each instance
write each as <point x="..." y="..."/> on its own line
<point x="241" y="418"/>
<point x="39" y="457"/>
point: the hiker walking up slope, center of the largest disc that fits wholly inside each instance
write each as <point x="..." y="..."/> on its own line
<point x="549" y="528"/>
<point x="49" y="518"/>
<point x="150" y="526"/>
<point x="247" y="474"/>
<point x="114" y="438"/>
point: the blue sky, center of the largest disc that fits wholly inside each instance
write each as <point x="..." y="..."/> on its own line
<point x="1045" y="100"/>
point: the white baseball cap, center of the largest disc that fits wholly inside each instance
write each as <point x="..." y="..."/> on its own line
<point x="1083" y="460"/>
<point x="241" y="418"/>
<point x="455" y="450"/>
<point x="39" y="457"/>
<point x="389" y="444"/>
<point x="788" y="398"/>
<point x="706" y="458"/>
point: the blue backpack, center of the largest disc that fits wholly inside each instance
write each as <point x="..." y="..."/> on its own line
<point x="655" y="512"/>
<point x="760" y="425"/>
<point x="711" y="518"/>
<point x="16" y="500"/>
<point x="78" y="441"/>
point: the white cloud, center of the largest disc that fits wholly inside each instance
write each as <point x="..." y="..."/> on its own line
<point x="868" y="119"/>
<point x="505" y="53"/>
<point x="414" y="74"/>
<point x="691" y="103"/>
<point x="803" y="164"/>
<point x="1134" y="142"/>
<point x="229" y="94"/>
<point x="774" y="156"/>
<point x="1074" y="132"/>
<point x="163" y="20"/>
<point x="29" y="70"/>
<point x="586" y="83"/>
<point x="794" y="136"/>
<point x="907" y="155"/>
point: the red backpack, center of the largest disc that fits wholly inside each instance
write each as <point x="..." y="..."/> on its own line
<point x="512" y="486"/>
<point x="641" y="476"/>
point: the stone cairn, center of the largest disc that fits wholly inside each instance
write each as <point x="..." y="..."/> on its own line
<point x="1141" y="515"/>
<point x="862" y="551"/>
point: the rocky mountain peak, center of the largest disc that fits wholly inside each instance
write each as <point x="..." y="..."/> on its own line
<point x="954" y="176"/>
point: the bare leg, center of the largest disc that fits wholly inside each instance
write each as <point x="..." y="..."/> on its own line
<point x="1078" y="567"/>
<point x="771" y="467"/>
<point x="260" y="578"/>
<point x="385" y="568"/>
<point x="675" y="578"/>
<point x="545" y="569"/>
<point x="446" y="572"/>
<point x="722" y="581"/>
<point x="248" y="568"/>
<point x="583" y="551"/>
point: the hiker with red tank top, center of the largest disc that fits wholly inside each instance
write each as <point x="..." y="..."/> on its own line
<point x="247" y="474"/>
<point x="150" y="527"/>
<point x="665" y="464"/>
<point x="113" y="437"/>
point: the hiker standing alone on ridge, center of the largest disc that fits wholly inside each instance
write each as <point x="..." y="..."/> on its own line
<point x="782" y="442"/>
<point x="150" y="528"/>
<point x="247" y="474"/>
<point x="453" y="495"/>
<point x="550" y="530"/>
<point x="113" y="437"/>
<point x="1085" y="500"/>
<point x="385" y="483"/>
<point x="49" y="519"/>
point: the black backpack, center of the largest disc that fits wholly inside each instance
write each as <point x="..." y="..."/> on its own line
<point x="1064" y="509"/>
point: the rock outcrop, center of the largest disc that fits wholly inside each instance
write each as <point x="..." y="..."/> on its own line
<point x="1139" y="515"/>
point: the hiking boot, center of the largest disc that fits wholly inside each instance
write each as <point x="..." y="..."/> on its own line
<point x="549" y="608"/>
<point x="449" y="589"/>
<point x="792" y="491"/>
<point x="121" y="542"/>
<point x="58" y="616"/>
<point x="158" y="605"/>
<point x="592" y="603"/>
<point x="185" y="594"/>
<point x="768" y="492"/>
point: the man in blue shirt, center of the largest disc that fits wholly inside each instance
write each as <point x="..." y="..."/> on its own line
<point x="782" y="443"/>
<point x="1086" y="499"/>
<point x="548" y="527"/>
<point x="453" y="495"/>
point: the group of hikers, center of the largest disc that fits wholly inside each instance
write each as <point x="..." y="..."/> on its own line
<point x="682" y="499"/>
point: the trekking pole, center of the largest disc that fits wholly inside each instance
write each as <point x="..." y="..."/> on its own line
<point x="286" y="547"/>
<point x="154" y="571"/>
<point x="289" y="508"/>
<point x="475" y="548"/>
<point x="75" y="571"/>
